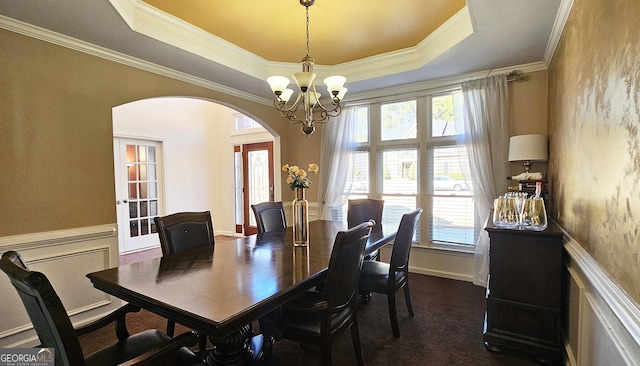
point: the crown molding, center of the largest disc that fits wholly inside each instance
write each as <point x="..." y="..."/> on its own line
<point x="436" y="85"/>
<point x="152" y="22"/>
<point x="91" y="49"/>
<point x="556" y="31"/>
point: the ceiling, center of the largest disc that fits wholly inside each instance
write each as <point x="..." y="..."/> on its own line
<point x="235" y="46"/>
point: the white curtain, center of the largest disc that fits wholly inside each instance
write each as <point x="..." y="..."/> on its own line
<point x="485" y="116"/>
<point x="335" y="155"/>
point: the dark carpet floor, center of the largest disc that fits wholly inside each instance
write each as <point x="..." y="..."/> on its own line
<point x="446" y="330"/>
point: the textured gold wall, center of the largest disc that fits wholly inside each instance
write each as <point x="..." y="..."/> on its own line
<point x="56" y="139"/>
<point x="594" y="117"/>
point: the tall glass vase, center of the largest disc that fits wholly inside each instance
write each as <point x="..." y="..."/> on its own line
<point x="300" y="219"/>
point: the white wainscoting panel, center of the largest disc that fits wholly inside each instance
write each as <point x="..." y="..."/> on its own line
<point x="602" y="325"/>
<point x="65" y="257"/>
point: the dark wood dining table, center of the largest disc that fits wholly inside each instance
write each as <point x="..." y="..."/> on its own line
<point x="220" y="292"/>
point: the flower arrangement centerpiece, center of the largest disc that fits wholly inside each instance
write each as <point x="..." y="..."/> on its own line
<point x="298" y="180"/>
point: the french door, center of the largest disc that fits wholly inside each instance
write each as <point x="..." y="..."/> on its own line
<point x="137" y="165"/>
<point x="257" y="173"/>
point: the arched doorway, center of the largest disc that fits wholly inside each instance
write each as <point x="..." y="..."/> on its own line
<point x="196" y="140"/>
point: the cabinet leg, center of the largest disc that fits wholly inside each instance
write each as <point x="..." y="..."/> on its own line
<point x="546" y="361"/>
<point x="492" y="348"/>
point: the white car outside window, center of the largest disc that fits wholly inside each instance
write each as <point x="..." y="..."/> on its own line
<point x="446" y="183"/>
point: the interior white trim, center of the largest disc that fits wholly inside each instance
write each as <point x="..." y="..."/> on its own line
<point x="604" y="320"/>
<point x="620" y="303"/>
<point x="556" y="31"/>
<point x="154" y="23"/>
<point x="418" y="89"/>
<point x="91" y="49"/>
<point x="57" y="237"/>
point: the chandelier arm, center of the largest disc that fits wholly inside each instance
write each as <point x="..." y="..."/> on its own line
<point x="282" y="107"/>
<point x="334" y="106"/>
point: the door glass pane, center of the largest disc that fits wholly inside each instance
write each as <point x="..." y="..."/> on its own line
<point x="153" y="208"/>
<point x="143" y="190"/>
<point x="153" y="190"/>
<point x="132" y="171"/>
<point x="142" y="153"/>
<point x="144" y="227"/>
<point x="133" y="228"/>
<point x="143" y="208"/>
<point x="143" y="172"/>
<point x="131" y="154"/>
<point x="398" y="121"/>
<point x="142" y="184"/>
<point x="133" y="209"/>
<point x="258" y="178"/>
<point x="152" y="154"/>
<point x="133" y="191"/>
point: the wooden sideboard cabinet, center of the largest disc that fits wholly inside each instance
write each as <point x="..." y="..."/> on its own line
<point x="524" y="292"/>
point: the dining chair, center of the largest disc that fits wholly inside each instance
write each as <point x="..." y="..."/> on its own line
<point x="387" y="278"/>
<point x="320" y="317"/>
<point x="361" y="210"/>
<point x="180" y="232"/>
<point x="54" y="328"/>
<point x="269" y="216"/>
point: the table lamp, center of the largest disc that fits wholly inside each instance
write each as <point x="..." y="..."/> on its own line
<point x="528" y="149"/>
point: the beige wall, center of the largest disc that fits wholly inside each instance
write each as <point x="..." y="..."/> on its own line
<point x="56" y="149"/>
<point x="56" y="131"/>
<point x="528" y="112"/>
<point x="594" y="118"/>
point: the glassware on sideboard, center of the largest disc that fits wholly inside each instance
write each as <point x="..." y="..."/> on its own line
<point x="505" y="214"/>
<point x="516" y="211"/>
<point x="535" y="214"/>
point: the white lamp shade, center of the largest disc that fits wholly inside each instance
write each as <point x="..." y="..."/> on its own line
<point x="528" y="148"/>
<point x="278" y="83"/>
<point x="304" y="79"/>
<point x="286" y="95"/>
<point x="334" y="83"/>
<point x="342" y="93"/>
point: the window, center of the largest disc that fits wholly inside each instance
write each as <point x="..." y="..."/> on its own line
<point x="408" y="156"/>
<point x="242" y="122"/>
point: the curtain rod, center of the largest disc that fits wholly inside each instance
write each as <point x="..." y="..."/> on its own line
<point x="515" y="76"/>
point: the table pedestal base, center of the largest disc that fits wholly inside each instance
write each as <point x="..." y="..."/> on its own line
<point x="239" y="349"/>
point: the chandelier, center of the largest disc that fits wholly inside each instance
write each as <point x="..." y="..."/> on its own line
<point x="308" y="99"/>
